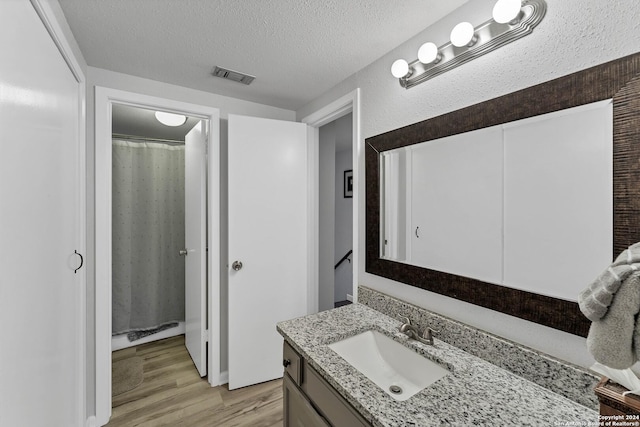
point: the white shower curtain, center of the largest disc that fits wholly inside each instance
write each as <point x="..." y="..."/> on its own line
<point x="148" y="232"/>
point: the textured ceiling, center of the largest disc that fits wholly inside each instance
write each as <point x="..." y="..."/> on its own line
<point x="297" y="49"/>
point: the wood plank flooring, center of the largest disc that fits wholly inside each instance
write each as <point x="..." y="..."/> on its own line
<point x="173" y="394"/>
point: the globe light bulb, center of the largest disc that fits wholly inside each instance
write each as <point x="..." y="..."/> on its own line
<point x="506" y="11"/>
<point x="463" y="34"/>
<point x="428" y="53"/>
<point x="400" y="68"/>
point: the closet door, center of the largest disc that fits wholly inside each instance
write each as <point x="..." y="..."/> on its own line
<point x="41" y="356"/>
<point x="566" y="208"/>
<point x="456" y="204"/>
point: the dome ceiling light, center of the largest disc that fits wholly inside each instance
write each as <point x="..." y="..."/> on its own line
<point x="170" y="119"/>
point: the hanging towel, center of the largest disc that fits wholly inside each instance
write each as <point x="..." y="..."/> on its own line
<point x="614" y="340"/>
<point x="595" y="300"/>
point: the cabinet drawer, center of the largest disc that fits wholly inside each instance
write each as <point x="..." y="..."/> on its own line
<point x="292" y="363"/>
<point x="329" y="403"/>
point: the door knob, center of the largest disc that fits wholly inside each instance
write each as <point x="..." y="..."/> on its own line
<point x="237" y="265"/>
<point x="182" y="252"/>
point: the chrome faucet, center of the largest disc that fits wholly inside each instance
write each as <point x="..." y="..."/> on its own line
<point x="412" y="332"/>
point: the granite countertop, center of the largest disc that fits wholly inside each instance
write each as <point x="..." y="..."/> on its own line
<point x="475" y="392"/>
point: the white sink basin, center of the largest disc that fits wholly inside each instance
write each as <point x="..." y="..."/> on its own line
<point x="389" y="364"/>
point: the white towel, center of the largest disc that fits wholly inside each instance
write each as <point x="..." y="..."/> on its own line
<point x="594" y="301"/>
<point x="614" y="340"/>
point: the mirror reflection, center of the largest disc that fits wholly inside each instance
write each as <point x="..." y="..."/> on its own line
<point x="527" y="204"/>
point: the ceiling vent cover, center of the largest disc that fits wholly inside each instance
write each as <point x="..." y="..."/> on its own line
<point x="233" y="75"/>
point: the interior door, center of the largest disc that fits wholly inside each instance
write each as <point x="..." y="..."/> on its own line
<point x="40" y="227"/>
<point x="195" y="212"/>
<point x="268" y="229"/>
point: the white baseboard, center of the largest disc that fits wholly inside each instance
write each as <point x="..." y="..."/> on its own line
<point x="91" y="422"/>
<point x="224" y="377"/>
<point x="349" y="297"/>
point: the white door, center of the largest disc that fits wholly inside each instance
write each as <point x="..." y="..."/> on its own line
<point x="195" y="212"/>
<point x="40" y="296"/>
<point x="268" y="229"/>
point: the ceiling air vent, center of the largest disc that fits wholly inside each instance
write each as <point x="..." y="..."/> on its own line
<point x="233" y="75"/>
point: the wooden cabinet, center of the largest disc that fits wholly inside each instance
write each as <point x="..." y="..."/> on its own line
<point x="298" y="411"/>
<point x="612" y="402"/>
<point x="309" y="400"/>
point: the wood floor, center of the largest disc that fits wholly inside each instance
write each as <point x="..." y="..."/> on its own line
<point x="173" y="394"/>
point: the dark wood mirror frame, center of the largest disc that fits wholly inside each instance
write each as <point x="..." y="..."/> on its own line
<point x="618" y="80"/>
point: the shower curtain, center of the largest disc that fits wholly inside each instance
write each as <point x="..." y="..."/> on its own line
<point x="148" y="232"/>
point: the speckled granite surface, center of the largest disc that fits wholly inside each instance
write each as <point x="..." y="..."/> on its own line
<point x="556" y="375"/>
<point x="474" y="393"/>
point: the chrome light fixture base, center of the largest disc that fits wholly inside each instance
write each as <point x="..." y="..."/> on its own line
<point x="491" y="35"/>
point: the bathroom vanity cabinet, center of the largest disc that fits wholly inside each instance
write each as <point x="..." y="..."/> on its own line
<point x="321" y="388"/>
<point x="309" y="400"/>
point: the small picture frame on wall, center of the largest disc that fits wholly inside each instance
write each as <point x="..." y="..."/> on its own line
<point x="348" y="184"/>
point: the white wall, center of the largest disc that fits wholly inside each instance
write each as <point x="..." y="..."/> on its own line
<point x="574" y="35"/>
<point x="326" y="214"/>
<point x="226" y="105"/>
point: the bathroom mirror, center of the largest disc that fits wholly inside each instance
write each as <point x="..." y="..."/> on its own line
<point x="497" y="204"/>
<point x="497" y="283"/>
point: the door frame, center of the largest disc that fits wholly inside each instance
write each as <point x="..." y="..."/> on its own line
<point x="104" y="99"/>
<point x="349" y="103"/>
<point x="53" y="22"/>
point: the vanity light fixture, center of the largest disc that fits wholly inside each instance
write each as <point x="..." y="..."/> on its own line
<point x="170" y="119"/>
<point x="511" y="20"/>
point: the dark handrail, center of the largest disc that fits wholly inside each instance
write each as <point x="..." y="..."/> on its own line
<point x="344" y="258"/>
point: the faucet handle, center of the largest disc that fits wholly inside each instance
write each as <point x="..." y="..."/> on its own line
<point x="431" y="331"/>
<point x="406" y="326"/>
<point x="406" y="320"/>
<point x="428" y="334"/>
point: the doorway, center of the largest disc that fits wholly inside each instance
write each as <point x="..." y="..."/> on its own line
<point x="148" y="226"/>
<point x="335" y="282"/>
<point x="347" y="105"/>
<point x="208" y="334"/>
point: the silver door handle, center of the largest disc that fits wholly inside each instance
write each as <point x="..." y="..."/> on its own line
<point x="183" y="252"/>
<point x="237" y="265"/>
